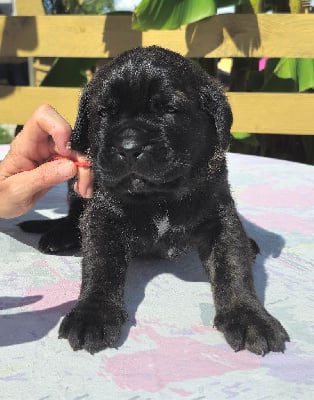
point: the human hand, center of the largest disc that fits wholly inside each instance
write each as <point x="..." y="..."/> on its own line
<point x="25" y="174"/>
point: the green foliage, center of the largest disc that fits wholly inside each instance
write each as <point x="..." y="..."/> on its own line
<point x="241" y="135"/>
<point x="170" y="14"/>
<point x="300" y="70"/>
<point x="5" y="137"/>
<point x="88" y="6"/>
<point x="68" y="72"/>
<point x="287" y="75"/>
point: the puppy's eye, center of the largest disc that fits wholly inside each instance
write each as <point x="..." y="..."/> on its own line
<point x="157" y="105"/>
<point x="170" y="109"/>
<point x="107" y="110"/>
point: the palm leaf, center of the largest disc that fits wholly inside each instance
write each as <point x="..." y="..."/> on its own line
<point x="301" y="70"/>
<point x="170" y="14"/>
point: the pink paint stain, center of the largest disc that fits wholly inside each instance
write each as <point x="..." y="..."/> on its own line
<point x="40" y="263"/>
<point x="175" y="359"/>
<point x="281" y="221"/>
<point x="63" y="291"/>
<point x="270" y="196"/>
<point x="181" y="392"/>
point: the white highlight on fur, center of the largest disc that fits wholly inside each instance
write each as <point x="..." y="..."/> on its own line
<point x="171" y="252"/>
<point x="162" y="225"/>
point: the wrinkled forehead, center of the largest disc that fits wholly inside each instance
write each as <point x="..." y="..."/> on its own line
<point x="144" y="81"/>
<point x="143" y="77"/>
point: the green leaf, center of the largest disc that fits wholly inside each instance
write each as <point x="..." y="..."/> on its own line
<point x="240" y="135"/>
<point x="88" y="6"/>
<point x="69" y="72"/>
<point x="301" y="70"/>
<point x="97" y="6"/>
<point x="170" y="14"/>
<point x="5" y="137"/>
<point x="272" y="83"/>
<point x="246" y="138"/>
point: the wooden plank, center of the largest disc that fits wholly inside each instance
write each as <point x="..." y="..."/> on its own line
<point x="261" y="35"/>
<point x="289" y="113"/>
<point x="253" y="112"/>
<point x="18" y="103"/>
<point x="239" y="35"/>
<point x="29" y="7"/>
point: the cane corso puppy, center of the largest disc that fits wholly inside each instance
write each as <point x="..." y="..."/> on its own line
<point x="156" y="128"/>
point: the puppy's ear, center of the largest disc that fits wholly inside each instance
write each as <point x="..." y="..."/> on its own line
<point x="214" y="101"/>
<point x="79" y="138"/>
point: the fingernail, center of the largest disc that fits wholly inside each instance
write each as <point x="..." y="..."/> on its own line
<point x="89" y="192"/>
<point x="66" y="169"/>
<point x="75" y="187"/>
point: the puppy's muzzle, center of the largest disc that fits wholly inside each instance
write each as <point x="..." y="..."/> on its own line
<point x="130" y="146"/>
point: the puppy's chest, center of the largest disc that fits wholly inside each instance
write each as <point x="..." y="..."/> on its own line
<point x="156" y="223"/>
<point x="164" y="230"/>
<point x="165" y="227"/>
<point x="170" y="238"/>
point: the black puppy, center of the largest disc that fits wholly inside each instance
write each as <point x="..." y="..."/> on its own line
<point x="156" y="128"/>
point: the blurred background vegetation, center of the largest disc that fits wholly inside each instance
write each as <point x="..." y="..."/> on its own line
<point x="6" y="134"/>
<point x="245" y="74"/>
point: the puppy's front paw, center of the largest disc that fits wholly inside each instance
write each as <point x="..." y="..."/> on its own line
<point x="254" y="330"/>
<point x="93" y="328"/>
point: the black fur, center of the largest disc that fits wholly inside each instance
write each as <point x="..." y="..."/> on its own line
<point x="156" y="128"/>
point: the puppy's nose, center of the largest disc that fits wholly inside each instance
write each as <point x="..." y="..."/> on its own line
<point x="130" y="149"/>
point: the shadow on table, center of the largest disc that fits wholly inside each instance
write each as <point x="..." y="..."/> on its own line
<point x="29" y="326"/>
<point x="271" y="244"/>
<point x="56" y="202"/>
<point x="189" y="269"/>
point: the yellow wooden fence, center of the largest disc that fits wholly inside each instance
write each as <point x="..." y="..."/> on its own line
<point x="261" y="35"/>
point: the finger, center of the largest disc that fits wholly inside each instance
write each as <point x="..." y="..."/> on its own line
<point x="84" y="184"/>
<point x="44" y="177"/>
<point x="54" y="172"/>
<point x="17" y="200"/>
<point x="44" y="134"/>
<point x="24" y="189"/>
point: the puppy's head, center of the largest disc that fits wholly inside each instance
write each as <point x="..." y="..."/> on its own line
<point x="149" y="120"/>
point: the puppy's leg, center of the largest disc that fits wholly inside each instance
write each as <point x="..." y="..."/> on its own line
<point x="62" y="233"/>
<point x="96" y="320"/>
<point x="239" y="315"/>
